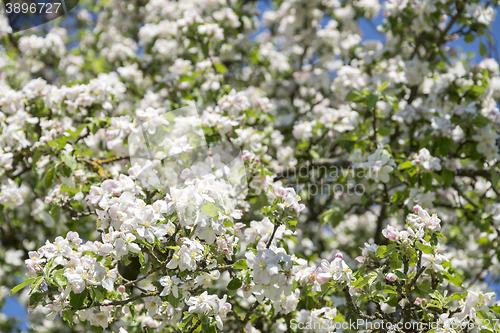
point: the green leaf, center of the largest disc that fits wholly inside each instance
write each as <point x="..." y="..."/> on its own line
<point x="314" y="154"/>
<point x="98" y="295"/>
<point x="455" y="278"/>
<point x="35" y="284"/>
<point x="427" y="180"/>
<point x="437" y="177"/>
<point x="51" y="175"/>
<point x="479" y="90"/>
<point x="354" y="96"/>
<point x="371" y="101"/>
<point x="77" y="300"/>
<point x="405" y="165"/>
<point x="65" y="188"/>
<point x="55" y="212"/>
<point x="447" y="176"/>
<point x="234" y="284"/>
<point x="383" y="86"/>
<point x="173" y="300"/>
<point x="69" y="161"/>
<point x="494" y="178"/>
<point x="444" y="145"/>
<point x="486" y="314"/>
<point x="60" y="280"/>
<point x="384" y="131"/>
<point x="482" y="49"/>
<point x="68" y="316"/>
<point x="240" y="264"/>
<point x="350" y="136"/>
<point x="469" y="38"/>
<point x="22" y="285"/>
<point x="220" y="67"/>
<point x="210" y="209"/>
<point x="401" y="275"/>
<point x="424" y="248"/>
<point x="381" y="251"/>
<point x="292" y="225"/>
<point x="36" y="298"/>
<point x="361" y="282"/>
<point x="456" y="296"/>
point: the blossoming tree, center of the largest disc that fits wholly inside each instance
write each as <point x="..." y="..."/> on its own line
<point x="209" y="166"/>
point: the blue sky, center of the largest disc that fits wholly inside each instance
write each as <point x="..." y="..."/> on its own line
<point x="370" y="33"/>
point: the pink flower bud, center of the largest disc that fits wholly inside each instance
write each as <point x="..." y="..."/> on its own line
<point x="419" y="301"/>
<point x="360" y="259"/>
<point x="257" y="159"/>
<point x="390" y="233"/>
<point x="339" y="255"/>
<point x="121" y="288"/>
<point x="391" y="277"/>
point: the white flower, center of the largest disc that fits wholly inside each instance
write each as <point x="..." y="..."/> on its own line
<point x="264" y="265"/>
<point x="187" y="256"/>
<point x="433" y="261"/>
<point x="203" y="303"/>
<point x="170" y="285"/>
<point x="151" y="304"/>
<point x="425" y="159"/>
<point x="380" y="166"/>
<point x="125" y="244"/>
<point x="422" y="219"/>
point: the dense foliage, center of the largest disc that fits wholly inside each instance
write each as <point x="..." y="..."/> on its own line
<point x="214" y="165"/>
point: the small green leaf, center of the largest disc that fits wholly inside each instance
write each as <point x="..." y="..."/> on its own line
<point x="482" y="49"/>
<point x="69" y="161"/>
<point x="77" y="300"/>
<point x="469" y="38"/>
<point x="210" y="209"/>
<point x="98" y="295"/>
<point x="427" y="180"/>
<point x="424" y="248"/>
<point x="354" y="96"/>
<point x="350" y="136"/>
<point x="51" y="175"/>
<point x="383" y="86"/>
<point x="447" y="176"/>
<point x="36" y="298"/>
<point x="405" y="165"/>
<point x="371" y="101"/>
<point x="314" y="154"/>
<point x="234" y="284"/>
<point x="401" y="275"/>
<point x="220" y="67"/>
<point x="173" y="300"/>
<point x="495" y="177"/>
<point x="60" y="280"/>
<point x="381" y="251"/>
<point x="361" y="282"/>
<point x="455" y="278"/>
<point x="22" y="285"/>
<point x="55" y="212"/>
<point x="456" y="296"/>
<point x="240" y="264"/>
<point x="384" y="131"/>
<point x="292" y="225"/>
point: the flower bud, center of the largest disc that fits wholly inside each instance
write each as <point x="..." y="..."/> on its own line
<point x="391" y="277"/>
